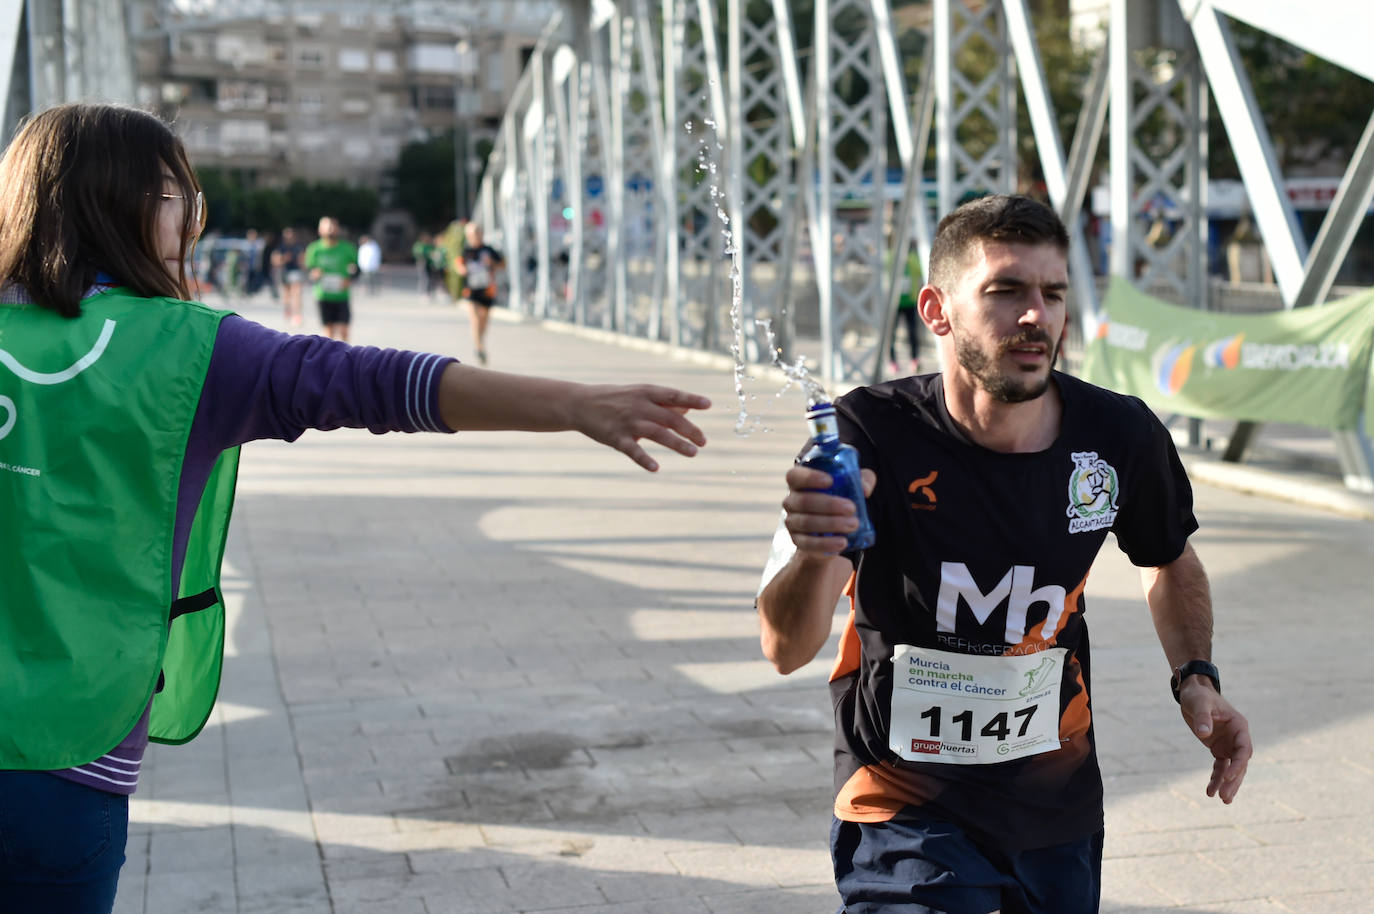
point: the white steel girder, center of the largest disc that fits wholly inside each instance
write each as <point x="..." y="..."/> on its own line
<point x="737" y="121"/>
<point x="963" y="100"/>
<point x="1051" y="154"/>
<point x="599" y="231"/>
<point x="1254" y="152"/>
<point x="1162" y="177"/>
<point x="1304" y="275"/>
<point x="564" y="90"/>
<point x="851" y="288"/>
<point x="638" y="283"/>
<point x="760" y="220"/>
<point x="696" y="119"/>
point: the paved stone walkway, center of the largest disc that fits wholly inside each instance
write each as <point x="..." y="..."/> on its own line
<point x="502" y="673"/>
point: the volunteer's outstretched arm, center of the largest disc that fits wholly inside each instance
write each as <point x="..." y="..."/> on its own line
<point x="797" y="607"/>
<point x="616" y="415"/>
<point x="1181" y="605"/>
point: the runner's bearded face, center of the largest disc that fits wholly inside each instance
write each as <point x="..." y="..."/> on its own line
<point x="1007" y="318"/>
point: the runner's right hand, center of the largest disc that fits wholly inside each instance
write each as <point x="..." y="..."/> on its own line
<point x="819" y="523"/>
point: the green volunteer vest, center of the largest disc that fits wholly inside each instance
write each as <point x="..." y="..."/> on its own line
<point x="95" y="413"/>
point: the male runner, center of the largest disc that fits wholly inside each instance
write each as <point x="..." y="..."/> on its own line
<point x="965" y="768"/>
<point x="332" y="263"/>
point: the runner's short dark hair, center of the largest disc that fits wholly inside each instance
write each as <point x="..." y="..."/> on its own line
<point x="999" y="217"/>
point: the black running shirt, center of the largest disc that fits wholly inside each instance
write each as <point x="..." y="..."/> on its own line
<point x="984" y="553"/>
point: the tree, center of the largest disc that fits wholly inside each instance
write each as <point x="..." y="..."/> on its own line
<point x="425" y="181"/>
<point x="233" y="206"/>
<point x="355" y="208"/>
<point x="266" y="209"/>
<point x="221" y="199"/>
<point x="1315" y="110"/>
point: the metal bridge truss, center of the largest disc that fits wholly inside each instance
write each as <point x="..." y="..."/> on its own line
<point x="686" y="138"/>
<point x="777" y="156"/>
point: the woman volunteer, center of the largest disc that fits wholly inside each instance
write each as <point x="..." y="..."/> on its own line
<point x="121" y="410"/>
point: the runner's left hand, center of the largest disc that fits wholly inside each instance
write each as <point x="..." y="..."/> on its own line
<point x="1223" y="730"/>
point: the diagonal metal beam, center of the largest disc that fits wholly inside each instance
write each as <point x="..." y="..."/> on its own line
<point x="1087" y="136"/>
<point x="892" y="75"/>
<point x="714" y="68"/>
<point x="1259" y="167"/>
<point x="1049" y="147"/>
<point x="1342" y="222"/>
<point x="791" y="72"/>
<point x="913" y="203"/>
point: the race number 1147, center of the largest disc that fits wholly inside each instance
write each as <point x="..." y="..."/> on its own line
<point x="999" y="727"/>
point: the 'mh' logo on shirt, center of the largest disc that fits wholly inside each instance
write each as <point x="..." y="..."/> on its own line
<point x="1016" y="591"/>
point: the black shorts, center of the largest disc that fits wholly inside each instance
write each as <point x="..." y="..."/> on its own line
<point x="919" y="867"/>
<point x="335" y="312"/>
<point x="478" y="298"/>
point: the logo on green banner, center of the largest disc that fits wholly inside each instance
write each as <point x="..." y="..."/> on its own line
<point x="1308" y="366"/>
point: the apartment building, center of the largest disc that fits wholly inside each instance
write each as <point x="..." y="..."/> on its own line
<point x="330" y="91"/>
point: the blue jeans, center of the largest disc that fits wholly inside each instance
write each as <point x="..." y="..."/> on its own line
<point x="61" y="845"/>
<point x="929" y="867"/>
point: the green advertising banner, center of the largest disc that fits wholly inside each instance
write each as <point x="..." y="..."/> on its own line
<point x="1307" y="366"/>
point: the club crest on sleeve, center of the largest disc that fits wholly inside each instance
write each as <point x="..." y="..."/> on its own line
<point x="1093" y="490"/>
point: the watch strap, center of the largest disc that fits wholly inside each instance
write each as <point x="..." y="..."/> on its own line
<point x="1194" y="667"/>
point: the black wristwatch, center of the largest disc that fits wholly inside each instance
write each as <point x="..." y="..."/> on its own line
<point x="1201" y="668"/>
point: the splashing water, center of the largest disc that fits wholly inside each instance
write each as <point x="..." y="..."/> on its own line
<point x="796" y="373"/>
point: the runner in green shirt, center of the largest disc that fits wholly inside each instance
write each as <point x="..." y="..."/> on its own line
<point x="332" y="263"/>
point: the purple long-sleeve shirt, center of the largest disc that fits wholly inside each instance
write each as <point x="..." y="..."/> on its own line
<point x="265" y="384"/>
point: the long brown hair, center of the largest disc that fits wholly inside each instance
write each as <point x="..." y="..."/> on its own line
<point x="80" y="191"/>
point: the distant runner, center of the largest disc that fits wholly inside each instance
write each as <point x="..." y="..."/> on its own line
<point x="478" y="268"/>
<point x="333" y="263"/>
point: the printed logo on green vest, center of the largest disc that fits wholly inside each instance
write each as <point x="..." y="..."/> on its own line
<point x="1093" y="489"/>
<point x="24" y="373"/>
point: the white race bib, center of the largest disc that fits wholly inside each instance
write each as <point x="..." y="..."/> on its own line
<point x="479" y="277"/>
<point x="332" y="282"/>
<point x="970" y="709"/>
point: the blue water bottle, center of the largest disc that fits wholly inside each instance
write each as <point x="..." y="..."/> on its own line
<point x="830" y="455"/>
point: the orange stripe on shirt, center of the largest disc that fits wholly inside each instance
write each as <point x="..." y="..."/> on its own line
<point x="847" y="660"/>
<point x="873" y="794"/>
<point x="1077" y="717"/>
